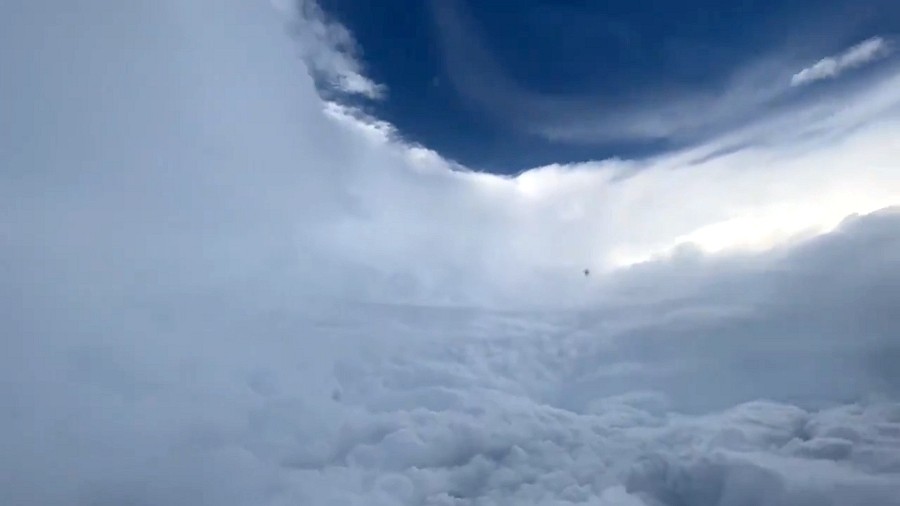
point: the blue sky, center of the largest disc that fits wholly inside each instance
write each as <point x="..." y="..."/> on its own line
<point x="505" y="86"/>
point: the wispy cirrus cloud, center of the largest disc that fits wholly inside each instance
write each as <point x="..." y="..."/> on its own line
<point x="730" y="98"/>
<point x="831" y="67"/>
<point x="585" y="118"/>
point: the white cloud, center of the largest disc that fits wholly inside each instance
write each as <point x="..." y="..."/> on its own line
<point x="187" y="231"/>
<point x="679" y="401"/>
<point x="329" y="49"/>
<point x="831" y="67"/>
<point x="600" y="215"/>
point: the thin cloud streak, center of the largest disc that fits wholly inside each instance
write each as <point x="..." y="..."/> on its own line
<point x="685" y="117"/>
<point x="864" y="53"/>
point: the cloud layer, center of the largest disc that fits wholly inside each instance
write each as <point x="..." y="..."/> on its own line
<point x="218" y="289"/>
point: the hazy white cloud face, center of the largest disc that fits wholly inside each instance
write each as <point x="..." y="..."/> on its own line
<point x="828" y="68"/>
<point x="217" y="288"/>
<point x="519" y="236"/>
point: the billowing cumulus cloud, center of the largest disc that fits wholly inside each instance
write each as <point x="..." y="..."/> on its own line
<point x="219" y="289"/>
